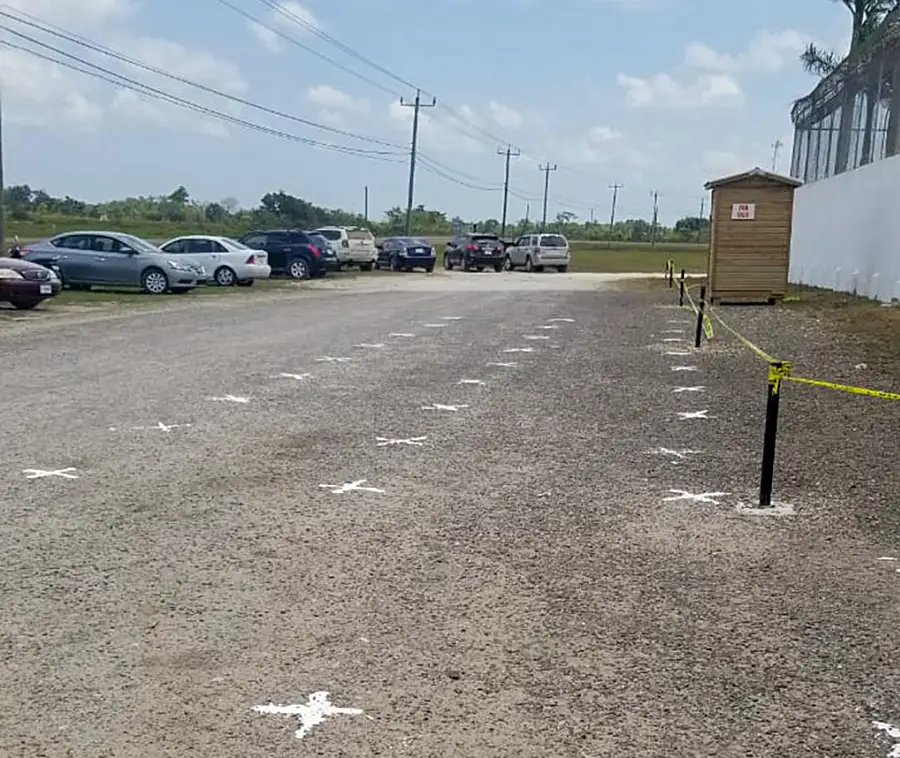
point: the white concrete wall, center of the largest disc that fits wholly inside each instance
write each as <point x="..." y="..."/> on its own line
<point x="846" y="232"/>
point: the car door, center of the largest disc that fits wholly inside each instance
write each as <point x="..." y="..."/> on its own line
<point x="113" y="262"/>
<point x="203" y="252"/>
<point x="75" y="256"/>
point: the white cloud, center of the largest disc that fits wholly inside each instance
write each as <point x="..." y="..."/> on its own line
<point x="600" y="134"/>
<point x="83" y="14"/>
<point x="291" y="18"/>
<point x="450" y="136"/>
<point x="664" y="91"/>
<point x="333" y="99"/>
<point x="504" y="115"/>
<point x="767" y="52"/>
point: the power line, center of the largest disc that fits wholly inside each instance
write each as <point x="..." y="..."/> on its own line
<point x="124" y="82"/>
<point x="97" y="48"/>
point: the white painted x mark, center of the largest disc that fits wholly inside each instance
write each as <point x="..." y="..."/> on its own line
<point x="566" y="320"/>
<point x="332" y="359"/>
<point x="297" y="377"/>
<point x="401" y="334"/>
<point x="387" y="441"/>
<point x="703" y="497"/>
<point x="38" y="473"/>
<point x="373" y="345"/>
<point x="687" y="415"/>
<point x="674" y="331"/>
<point x="451" y="318"/>
<point x="679" y="454"/>
<point x="435" y="326"/>
<point x="231" y="399"/>
<point x="159" y="425"/>
<point x="679" y="353"/>
<point x="673" y="339"/>
<point x="684" y="368"/>
<point x="519" y="350"/>
<point x="471" y="381"/>
<point x="440" y="407"/>
<point x="679" y="390"/>
<point x="507" y="364"/>
<point x="548" y="326"/>
<point x="536" y="337"/>
<point x="338" y="489"/>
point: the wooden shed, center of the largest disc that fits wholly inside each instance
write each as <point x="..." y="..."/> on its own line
<point x="750" y="237"/>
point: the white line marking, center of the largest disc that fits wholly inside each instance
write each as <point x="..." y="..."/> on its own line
<point x="687" y="416"/>
<point x="684" y="368"/>
<point x="297" y="377"/>
<point x="401" y="334"/>
<point x="679" y="390"/>
<point x="888" y="558"/>
<point x="231" y="399"/>
<point x="501" y="364"/>
<point x="547" y="326"/>
<point x="356" y="486"/>
<point x="333" y="359"/>
<point x="676" y="321"/>
<point x="703" y="497"/>
<point x="680" y="455"/>
<point x="678" y="353"/>
<point x="435" y="326"/>
<point x="891" y="731"/>
<point x="372" y="345"/>
<point x="440" y="407"/>
<point x="536" y="337"/>
<point x="471" y="381"/>
<point x="388" y="441"/>
<point x="159" y="425"/>
<point x="451" y="318"/>
<point x="519" y="350"/>
<point x="564" y="320"/>
<point x="674" y="331"/>
<point x="673" y="339"/>
<point x="310" y="715"/>
<point x="39" y="473"/>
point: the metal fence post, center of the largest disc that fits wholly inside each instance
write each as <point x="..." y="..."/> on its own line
<point x="681" y="290"/>
<point x="700" y="311"/>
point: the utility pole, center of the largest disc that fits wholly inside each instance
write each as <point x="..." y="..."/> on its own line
<point x="366" y="204"/>
<point x="2" y="185"/>
<point x="509" y="154"/>
<point x="655" y="196"/>
<point x="612" y="216"/>
<point x="416" y="106"/>
<point x="592" y="216"/>
<point x="527" y="215"/>
<point x="702" y="218"/>
<point x="546" y="169"/>
<point x="776" y="147"/>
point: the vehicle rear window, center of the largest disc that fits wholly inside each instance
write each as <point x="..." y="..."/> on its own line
<point x="330" y="234"/>
<point x="485" y="238"/>
<point x="553" y="240"/>
<point x="361" y="234"/>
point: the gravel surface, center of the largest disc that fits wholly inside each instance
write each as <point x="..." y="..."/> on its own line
<point x="521" y="587"/>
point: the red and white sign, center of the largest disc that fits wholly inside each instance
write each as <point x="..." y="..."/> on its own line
<point x="743" y="211"/>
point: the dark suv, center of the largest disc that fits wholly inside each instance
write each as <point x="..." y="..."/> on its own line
<point x="474" y="251"/>
<point x="291" y="252"/>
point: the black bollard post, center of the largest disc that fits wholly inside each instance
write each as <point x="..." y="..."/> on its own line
<point x="700" y="311"/>
<point x="773" y="395"/>
<point x="681" y="291"/>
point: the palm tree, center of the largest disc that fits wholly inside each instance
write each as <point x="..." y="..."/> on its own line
<point x="867" y="16"/>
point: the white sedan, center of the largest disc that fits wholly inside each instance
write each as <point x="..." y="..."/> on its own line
<point x="228" y="261"/>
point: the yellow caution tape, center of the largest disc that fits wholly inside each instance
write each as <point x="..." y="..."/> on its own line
<point x="707" y="322"/>
<point x="845" y="388"/>
<point x="757" y="350"/>
<point x="778" y="372"/>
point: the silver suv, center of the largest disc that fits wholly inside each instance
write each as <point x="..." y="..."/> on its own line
<point x="535" y="251"/>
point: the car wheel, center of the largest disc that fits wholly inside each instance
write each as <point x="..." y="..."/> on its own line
<point x="448" y="265"/>
<point x="24" y="305"/>
<point x="429" y="269"/>
<point x="299" y="269"/>
<point x="225" y="277"/>
<point x="395" y="264"/>
<point x="465" y="264"/>
<point x="247" y="283"/>
<point x="154" y="281"/>
<point x="365" y="266"/>
<point x="498" y="268"/>
<point x="508" y="264"/>
<point x="562" y="269"/>
<point x="529" y="264"/>
<point x="538" y="268"/>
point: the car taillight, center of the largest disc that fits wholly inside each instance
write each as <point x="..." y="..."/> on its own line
<point x="499" y="248"/>
<point x="472" y="247"/>
<point x="251" y="260"/>
<point x="314" y="250"/>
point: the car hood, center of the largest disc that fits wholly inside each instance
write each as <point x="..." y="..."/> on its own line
<point x="19" y="264"/>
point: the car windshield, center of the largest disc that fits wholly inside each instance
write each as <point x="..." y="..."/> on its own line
<point x="330" y="234"/>
<point x="232" y="244"/>
<point x="553" y="240"/>
<point x="136" y="243"/>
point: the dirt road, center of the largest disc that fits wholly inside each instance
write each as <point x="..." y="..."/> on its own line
<point x="518" y="553"/>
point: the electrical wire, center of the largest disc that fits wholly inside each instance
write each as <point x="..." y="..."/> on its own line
<point x="60" y="33"/>
<point x="124" y="82"/>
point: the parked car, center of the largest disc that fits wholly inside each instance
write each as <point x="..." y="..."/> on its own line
<point x="407" y="253"/>
<point x="291" y="252"/>
<point x="476" y="251"/>
<point x="113" y="258"/>
<point x="24" y="284"/>
<point x="329" y="256"/>
<point x="535" y="251"/>
<point x="230" y="262"/>
<point x="354" y="246"/>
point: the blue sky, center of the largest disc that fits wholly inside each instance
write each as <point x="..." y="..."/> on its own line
<point x="652" y="94"/>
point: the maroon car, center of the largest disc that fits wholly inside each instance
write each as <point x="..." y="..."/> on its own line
<point x="24" y="284"/>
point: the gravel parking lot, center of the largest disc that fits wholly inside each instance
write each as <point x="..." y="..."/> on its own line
<point x="555" y="562"/>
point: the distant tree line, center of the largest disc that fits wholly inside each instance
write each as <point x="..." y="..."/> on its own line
<point x="31" y="208"/>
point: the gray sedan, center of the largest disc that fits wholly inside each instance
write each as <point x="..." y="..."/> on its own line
<point x="113" y="258"/>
